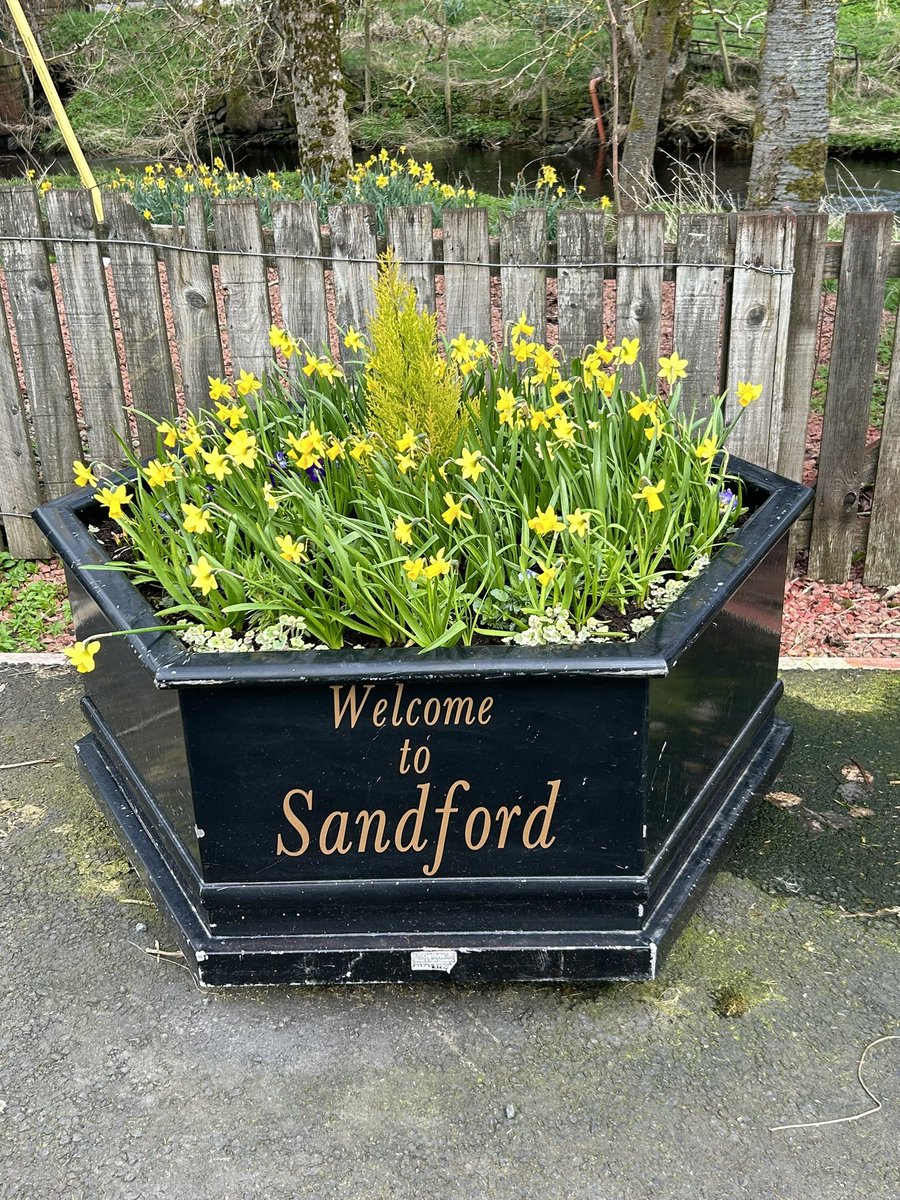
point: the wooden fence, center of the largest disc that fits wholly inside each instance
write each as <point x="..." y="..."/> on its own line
<point x="97" y="319"/>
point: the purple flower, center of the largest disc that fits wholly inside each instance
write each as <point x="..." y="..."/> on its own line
<point x="727" y="499"/>
<point x="316" y="472"/>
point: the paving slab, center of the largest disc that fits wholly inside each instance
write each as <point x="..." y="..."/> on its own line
<point x="118" y="1079"/>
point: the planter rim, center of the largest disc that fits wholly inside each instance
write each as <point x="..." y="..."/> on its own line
<point x="651" y="654"/>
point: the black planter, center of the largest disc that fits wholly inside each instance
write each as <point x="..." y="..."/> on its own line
<point x="489" y="813"/>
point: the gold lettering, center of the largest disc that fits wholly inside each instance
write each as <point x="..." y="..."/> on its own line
<point x="295" y="822"/>
<point x="547" y="810"/>
<point x="505" y="820"/>
<point x="396" y="719"/>
<point x="432" y="707"/>
<point x="418" y="843"/>
<point x="355" y="709"/>
<point x="445" y="810"/>
<point x="485" y="827"/>
<point x="414" y="703"/>
<point x="378" y="712"/>
<point x="453" y="710"/>
<point x="365" y="819"/>
<point x="484" y="710"/>
<point x="341" y="845"/>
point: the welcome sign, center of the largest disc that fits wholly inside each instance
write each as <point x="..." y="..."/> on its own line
<point x="416" y="780"/>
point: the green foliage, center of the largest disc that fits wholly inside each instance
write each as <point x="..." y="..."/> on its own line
<point x="563" y="499"/>
<point x="30" y="609"/>
<point x="407" y="382"/>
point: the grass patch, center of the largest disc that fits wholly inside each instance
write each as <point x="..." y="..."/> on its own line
<point x="30" y="609"/>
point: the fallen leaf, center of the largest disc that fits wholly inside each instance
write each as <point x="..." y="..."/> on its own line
<point x="860" y="810"/>
<point x="783" y="799"/>
<point x="855" y="773"/>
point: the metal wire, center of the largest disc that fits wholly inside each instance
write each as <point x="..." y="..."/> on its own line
<point x="406" y="262"/>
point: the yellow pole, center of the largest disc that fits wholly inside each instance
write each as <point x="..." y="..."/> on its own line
<point x="65" y="126"/>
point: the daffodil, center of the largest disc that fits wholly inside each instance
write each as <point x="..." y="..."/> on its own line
<point x="216" y="464"/>
<point x="578" y="522"/>
<point x="219" y="389"/>
<point x="231" y="414"/>
<point x="605" y="202"/>
<point x="706" y="449"/>
<point x="462" y="348"/>
<point x="414" y="568"/>
<point x="169" y="432"/>
<point x="672" y="368"/>
<point x="564" y="431"/>
<point x="650" y="493"/>
<point x="290" y="550"/>
<point x="437" y="565"/>
<point x="538" y="419"/>
<point x="113" y="499"/>
<point x="361" y="449"/>
<point x="247" y="384"/>
<point x="195" y="519"/>
<point x="506" y="404"/>
<point x="403" y="531"/>
<point x="407" y="442"/>
<point x="81" y="656"/>
<point x="204" y="577"/>
<point x="405" y="463"/>
<point x="546" y="521"/>
<point x="628" y="351"/>
<point x="454" y="510"/>
<point x="748" y="392"/>
<point x="522" y="350"/>
<point x="641" y="408"/>
<point x="84" y="476"/>
<point x="353" y="340"/>
<point x="335" y="450"/>
<point x="276" y="337"/>
<point x="158" y="474"/>
<point x="546" y="575"/>
<point x="242" y="449"/>
<point x="269" y="497"/>
<point x="471" y="467"/>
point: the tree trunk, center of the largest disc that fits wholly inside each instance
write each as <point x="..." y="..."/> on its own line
<point x="657" y="40"/>
<point x="12" y="94"/>
<point x="673" y="89"/>
<point x="791" y="128"/>
<point x="312" y="39"/>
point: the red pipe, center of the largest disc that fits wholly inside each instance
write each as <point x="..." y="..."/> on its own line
<point x="598" y="115"/>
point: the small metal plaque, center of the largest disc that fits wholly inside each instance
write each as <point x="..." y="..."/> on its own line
<point x="433" y="960"/>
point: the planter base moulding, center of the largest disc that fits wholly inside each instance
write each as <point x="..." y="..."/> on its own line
<point x="479" y="814"/>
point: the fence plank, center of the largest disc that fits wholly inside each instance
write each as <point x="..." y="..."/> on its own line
<point x="36" y="322"/>
<point x="20" y="490"/>
<point x="193" y="298"/>
<point x="148" y="359"/>
<point x="802" y="343"/>
<point x="301" y="281"/>
<point x="82" y="282"/>
<point x="857" y="328"/>
<point x="353" y="260"/>
<point x="883" y="550"/>
<point x="244" y="283"/>
<point x="641" y="239"/>
<point x="698" y="303"/>
<point x="579" y="288"/>
<point x="467" y="283"/>
<point x="760" y="311"/>
<point x="410" y="232"/>
<point x="523" y="289"/>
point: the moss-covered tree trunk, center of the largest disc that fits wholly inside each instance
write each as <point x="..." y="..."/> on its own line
<point x="791" y="128"/>
<point x="661" y="20"/>
<point x="311" y="30"/>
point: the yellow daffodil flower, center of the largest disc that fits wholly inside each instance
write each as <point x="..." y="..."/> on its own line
<point x="404" y="463"/>
<point x="247" y="384"/>
<point x="627" y="353"/>
<point x="673" y="368"/>
<point x="522" y="351"/>
<point x="562" y="387"/>
<point x="605" y="202"/>
<point x="216" y="464"/>
<point x="706" y="449"/>
<point x="407" y="442"/>
<point x="276" y="337"/>
<point x="353" y="340"/>
<point x="113" y="499"/>
<point x="564" y="431"/>
<point x="462" y="348"/>
<point x="195" y="519"/>
<point x="414" y="568"/>
<point x="471" y="467"/>
<point x="642" y="408"/>
<point x="231" y="414"/>
<point x="506" y="404"/>
<point x="553" y="411"/>
<point x="546" y="521"/>
<point x="650" y="492"/>
<point x="748" y="392"/>
<point x="81" y="656"/>
<point x="361" y="449"/>
<point x="204" y="577"/>
<point x="84" y="476"/>
<point x="335" y="450"/>
<point x="578" y="522"/>
<point x="169" y="432"/>
<point x="538" y="419"/>
<point x="547" y="575"/>
<point x="403" y="531"/>
<point x="291" y="551"/>
<point x="243" y="449"/>
<point x="158" y="474"/>
<point x="454" y="510"/>
<point x="269" y="497"/>
<point x="437" y="565"/>
<point x="219" y="389"/>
